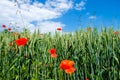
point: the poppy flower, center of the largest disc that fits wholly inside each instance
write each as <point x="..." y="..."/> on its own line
<point x="70" y="70"/>
<point x="13" y="49"/>
<point x="67" y="65"/>
<point x="88" y="29"/>
<point x="59" y="29"/>
<point x="116" y="32"/>
<point x="46" y="65"/>
<point x="53" y="53"/>
<point x="41" y="34"/>
<point x="3" y="26"/>
<point x="9" y="29"/>
<point x="25" y="56"/>
<point x="21" y="41"/>
<point x="86" y="79"/>
<point x="16" y="34"/>
<point x="10" y="44"/>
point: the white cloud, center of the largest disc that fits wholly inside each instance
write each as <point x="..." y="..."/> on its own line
<point x="49" y="26"/>
<point x="59" y="5"/>
<point x="27" y="13"/>
<point x="92" y="17"/>
<point x="80" y="6"/>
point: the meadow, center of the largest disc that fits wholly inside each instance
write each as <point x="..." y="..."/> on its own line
<point x="89" y="55"/>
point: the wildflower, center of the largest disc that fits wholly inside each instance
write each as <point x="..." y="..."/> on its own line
<point x="116" y="32"/>
<point x="3" y="26"/>
<point x="9" y="29"/>
<point x="41" y="35"/>
<point x="59" y="29"/>
<point x="16" y="34"/>
<point x="67" y="65"/>
<point x="53" y="53"/>
<point x="69" y="71"/>
<point x="10" y="44"/>
<point x="86" y="79"/>
<point x="46" y="65"/>
<point x="13" y="49"/>
<point x="25" y="56"/>
<point x="21" y="41"/>
<point x="88" y="29"/>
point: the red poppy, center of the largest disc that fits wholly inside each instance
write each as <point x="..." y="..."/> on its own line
<point x="3" y="26"/>
<point x="88" y="29"/>
<point x="9" y="29"/>
<point x="67" y="65"/>
<point x="46" y="65"/>
<point x="54" y="55"/>
<point x="53" y="52"/>
<point x="16" y="34"/>
<point x="59" y="29"/>
<point x="86" y="79"/>
<point x="70" y="70"/>
<point x="13" y="49"/>
<point x="116" y="32"/>
<point x="41" y="34"/>
<point x="25" y="56"/>
<point x="21" y="41"/>
<point x="10" y="44"/>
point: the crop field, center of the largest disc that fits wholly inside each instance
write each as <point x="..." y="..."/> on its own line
<point x="83" y="55"/>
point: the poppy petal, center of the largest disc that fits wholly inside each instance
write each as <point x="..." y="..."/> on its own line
<point x="54" y="55"/>
<point x="69" y="71"/>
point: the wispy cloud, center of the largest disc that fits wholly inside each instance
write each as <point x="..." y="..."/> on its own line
<point x="92" y="17"/>
<point x="48" y="26"/>
<point x="80" y="6"/>
<point x="39" y="12"/>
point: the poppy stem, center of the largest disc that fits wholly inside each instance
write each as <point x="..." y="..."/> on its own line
<point x="19" y="73"/>
<point x="55" y="70"/>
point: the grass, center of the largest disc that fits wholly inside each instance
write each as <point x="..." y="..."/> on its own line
<point x="96" y="56"/>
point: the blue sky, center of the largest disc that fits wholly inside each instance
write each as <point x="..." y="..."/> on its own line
<point x="107" y="12"/>
<point x="71" y="15"/>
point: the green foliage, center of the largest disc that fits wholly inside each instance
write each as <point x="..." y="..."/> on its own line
<point x="96" y="56"/>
